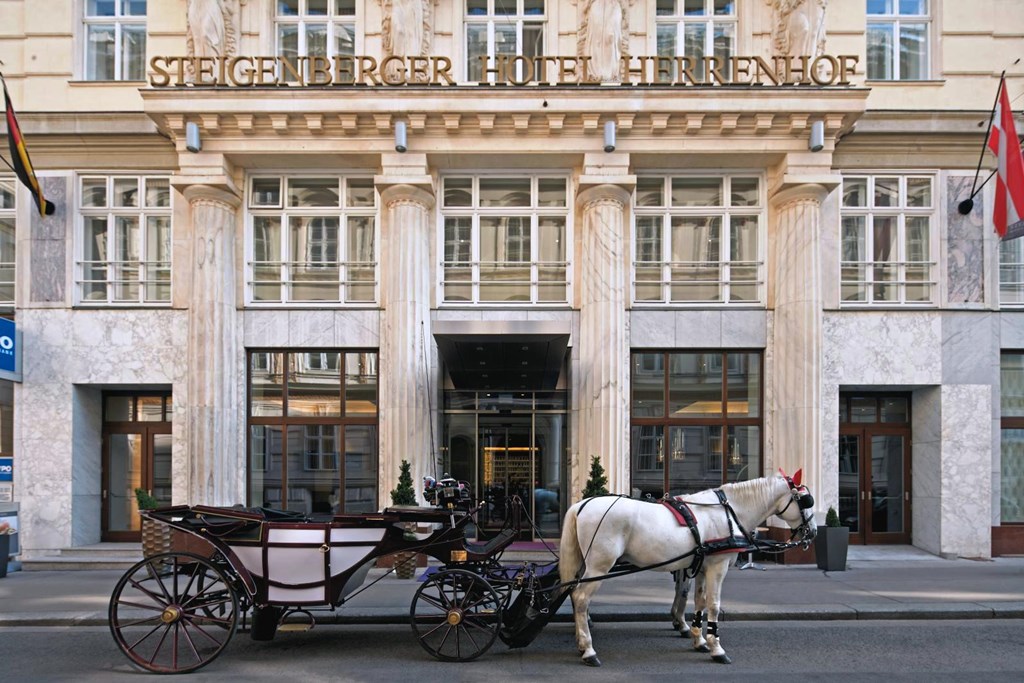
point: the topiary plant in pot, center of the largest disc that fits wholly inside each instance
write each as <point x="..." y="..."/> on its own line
<point x="597" y="484"/>
<point x="831" y="543"/>
<point x="404" y="495"/>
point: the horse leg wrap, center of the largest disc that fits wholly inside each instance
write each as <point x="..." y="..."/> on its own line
<point x="699" y="644"/>
<point x="717" y="652"/>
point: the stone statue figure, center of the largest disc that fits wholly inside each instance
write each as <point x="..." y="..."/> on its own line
<point x="604" y="37"/>
<point x="212" y="29"/>
<point x="406" y="29"/>
<point x="798" y="27"/>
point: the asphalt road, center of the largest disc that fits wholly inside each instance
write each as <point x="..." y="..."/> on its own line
<point x="933" y="651"/>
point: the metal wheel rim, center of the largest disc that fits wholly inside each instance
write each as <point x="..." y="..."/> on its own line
<point x="462" y="593"/>
<point x="173" y="613"/>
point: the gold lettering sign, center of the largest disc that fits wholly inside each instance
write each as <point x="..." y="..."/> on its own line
<point x="515" y="70"/>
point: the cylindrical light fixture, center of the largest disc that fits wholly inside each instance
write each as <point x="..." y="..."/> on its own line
<point x="609" y="136"/>
<point x="817" y="141"/>
<point x="192" y="141"/>
<point x="400" y="137"/>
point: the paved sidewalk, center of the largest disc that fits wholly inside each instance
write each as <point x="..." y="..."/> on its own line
<point x="880" y="583"/>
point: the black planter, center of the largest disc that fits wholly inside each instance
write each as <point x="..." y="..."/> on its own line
<point x="830" y="547"/>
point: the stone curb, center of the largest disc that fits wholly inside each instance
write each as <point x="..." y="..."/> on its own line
<point x="386" y="616"/>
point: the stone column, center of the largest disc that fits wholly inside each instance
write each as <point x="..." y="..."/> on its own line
<point x="797" y="337"/>
<point x="603" y="400"/>
<point x="214" y="451"/>
<point x="406" y="347"/>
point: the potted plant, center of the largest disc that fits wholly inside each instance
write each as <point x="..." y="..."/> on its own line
<point x="6" y="532"/>
<point x="156" y="536"/>
<point x="404" y="495"/>
<point x="597" y="484"/>
<point x="831" y="543"/>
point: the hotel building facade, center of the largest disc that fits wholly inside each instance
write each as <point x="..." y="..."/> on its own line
<point x="297" y="242"/>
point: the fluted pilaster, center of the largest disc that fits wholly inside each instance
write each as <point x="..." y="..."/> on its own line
<point x="797" y="412"/>
<point x="405" y="338"/>
<point x="214" y="452"/>
<point x="604" y="335"/>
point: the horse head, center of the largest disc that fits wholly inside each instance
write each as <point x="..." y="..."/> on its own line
<point x="796" y="508"/>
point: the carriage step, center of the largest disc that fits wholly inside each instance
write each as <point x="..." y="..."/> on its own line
<point x="300" y="628"/>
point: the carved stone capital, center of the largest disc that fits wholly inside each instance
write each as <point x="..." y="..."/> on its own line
<point x="604" y="193"/>
<point x="199" y="195"/>
<point x="795" y="194"/>
<point x="392" y="195"/>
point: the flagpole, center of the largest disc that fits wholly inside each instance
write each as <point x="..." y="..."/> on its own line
<point x="967" y="205"/>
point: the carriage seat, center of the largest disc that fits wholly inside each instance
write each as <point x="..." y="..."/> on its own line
<point x="495" y="545"/>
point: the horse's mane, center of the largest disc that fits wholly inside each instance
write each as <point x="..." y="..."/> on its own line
<point x="760" y="490"/>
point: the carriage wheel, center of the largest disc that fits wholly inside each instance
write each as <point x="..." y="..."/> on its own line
<point x="456" y="615"/>
<point x="173" y="613"/>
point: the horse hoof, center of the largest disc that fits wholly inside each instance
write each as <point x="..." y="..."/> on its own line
<point x="592" y="660"/>
<point x="703" y="648"/>
<point x="721" y="659"/>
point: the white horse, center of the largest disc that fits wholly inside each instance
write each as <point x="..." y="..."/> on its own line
<point x="600" y="532"/>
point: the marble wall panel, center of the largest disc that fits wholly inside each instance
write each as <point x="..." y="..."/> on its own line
<point x="311" y="329"/>
<point x="264" y="329"/>
<point x="926" y="464"/>
<point x="652" y="329"/>
<point x="828" y="494"/>
<point x="882" y="347"/>
<point x="963" y="244"/>
<point x="86" y="349"/>
<point x="970" y="347"/>
<point x="966" y="470"/>
<point x="698" y="329"/>
<point x="48" y="244"/>
<point x="86" y="479"/>
<point x="357" y="329"/>
<point x="746" y="329"/>
<point x="1011" y="330"/>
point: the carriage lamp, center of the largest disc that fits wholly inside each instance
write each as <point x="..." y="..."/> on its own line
<point x="192" y="141"/>
<point x="817" y="141"/>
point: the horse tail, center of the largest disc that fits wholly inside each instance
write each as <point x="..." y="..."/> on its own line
<point x="570" y="556"/>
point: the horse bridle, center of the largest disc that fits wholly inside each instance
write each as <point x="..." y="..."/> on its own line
<point x="804" y="500"/>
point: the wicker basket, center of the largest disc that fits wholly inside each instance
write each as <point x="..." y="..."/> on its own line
<point x="156" y="537"/>
<point x="405" y="565"/>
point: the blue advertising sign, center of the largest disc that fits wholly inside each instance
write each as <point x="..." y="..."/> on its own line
<point x="10" y="366"/>
<point x="6" y="469"/>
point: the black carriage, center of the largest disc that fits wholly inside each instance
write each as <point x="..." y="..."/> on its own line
<point x="258" y="568"/>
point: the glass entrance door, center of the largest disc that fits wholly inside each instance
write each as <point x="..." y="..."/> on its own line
<point x="874" y="469"/>
<point x="508" y="463"/>
<point x="134" y="459"/>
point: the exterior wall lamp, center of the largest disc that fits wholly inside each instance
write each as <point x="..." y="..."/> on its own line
<point x="192" y="141"/>
<point x="401" y="138"/>
<point x="817" y="141"/>
<point x="609" y="136"/>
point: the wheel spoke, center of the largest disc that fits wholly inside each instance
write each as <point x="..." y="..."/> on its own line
<point x="159" y="646"/>
<point x="471" y="638"/>
<point x="436" y="603"/>
<point x="154" y="630"/>
<point x="139" y="622"/>
<point x="435" y="629"/>
<point x="155" y="608"/>
<point x="192" y="645"/>
<point x="156" y="597"/>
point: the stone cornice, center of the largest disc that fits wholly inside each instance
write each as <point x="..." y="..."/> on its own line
<point x="315" y="112"/>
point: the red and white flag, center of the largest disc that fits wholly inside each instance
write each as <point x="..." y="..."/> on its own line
<point x="1004" y="143"/>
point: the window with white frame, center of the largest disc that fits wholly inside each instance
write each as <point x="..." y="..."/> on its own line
<point x="312" y="239"/>
<point x="898" y="44"/>
<point x="697" y="29"/>
<point x="7" y="240"/>
<point x="886" y="240"/>
<point x="315" y="28"/>
<point x="697" y="239"/>
<point x="1011" y="272"/>
<point x="502" y="28"/>
<point x="125" y="251"/>
<point x="505" y="239"/>
<point x="115" y="40"/>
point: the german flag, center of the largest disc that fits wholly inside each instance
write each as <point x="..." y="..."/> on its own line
<point x="20" y="162"/>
